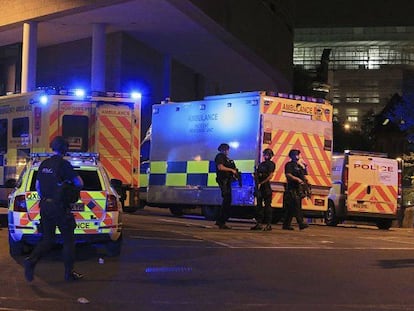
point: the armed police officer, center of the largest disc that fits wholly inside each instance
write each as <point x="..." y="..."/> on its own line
<point x="263" y="175"/>
<point x="226" y="172"/>
<point x="295" y="175"/>
<point x="55" y="209"/>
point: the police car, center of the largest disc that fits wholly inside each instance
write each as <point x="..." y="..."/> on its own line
<point x="97" y="213"/>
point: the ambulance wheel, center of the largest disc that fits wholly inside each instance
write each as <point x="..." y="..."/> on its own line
<point x="16" y="248"/>
<point x="384" y="224"/>
<point x="142" y="204"/>
<point x="113" y="248"/>
<point x="209" y="212"/>
<point x="330" y="215"/>
<point x="176" y="211"/>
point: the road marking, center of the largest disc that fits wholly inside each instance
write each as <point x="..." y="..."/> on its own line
<point x="185" y="223"/>
<point x="163" y="239"/>
<point x="389" y="239"/>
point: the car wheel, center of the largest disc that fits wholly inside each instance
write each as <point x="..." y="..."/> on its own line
<point x="113" y="248"/>
<point x="384" y="224"/>
<point x="3" y="221"/>
<point x="130" y="209"/>
<point x="330" y="215"/>
<point x="16" y="248"/>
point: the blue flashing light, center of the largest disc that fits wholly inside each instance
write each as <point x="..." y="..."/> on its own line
<point x="234" y="144"/>
<point x="136" y="95"/>
<point x="43" y="99"/>
<point x="80" y="93"/>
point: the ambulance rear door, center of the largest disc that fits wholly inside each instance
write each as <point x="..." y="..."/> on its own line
<point x="117" y="141"/>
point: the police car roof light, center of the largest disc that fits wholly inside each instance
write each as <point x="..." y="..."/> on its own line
<point x="74" y="157"/>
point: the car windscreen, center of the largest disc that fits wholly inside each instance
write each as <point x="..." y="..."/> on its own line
<point x="90" y="179"/>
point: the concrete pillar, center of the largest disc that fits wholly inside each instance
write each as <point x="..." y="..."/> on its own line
<point x="98" y="58"/>
<point x="29" y="57"/>
<point x="11" y="78"/>
<point x="166" y="77"/>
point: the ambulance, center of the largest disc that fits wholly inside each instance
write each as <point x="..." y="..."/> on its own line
<point x="105" y="123"/>
<point x="366" y="186"/>
<point x="179" y="163"/>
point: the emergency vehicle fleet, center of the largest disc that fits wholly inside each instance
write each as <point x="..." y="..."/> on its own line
<point x="184" y="138"/>
<point x="104" y="123"/>
<point x="366" y="186"/>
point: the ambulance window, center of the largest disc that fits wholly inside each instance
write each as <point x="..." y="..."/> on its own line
<point x="145" y="150"/>
<point x="3" y="135"/>
<point x="76" y="135"/>
<point x="20" y="127"/>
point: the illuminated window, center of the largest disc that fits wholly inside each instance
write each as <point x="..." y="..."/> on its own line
<point x="352" y="119"/>
<point x="352" y="115"/>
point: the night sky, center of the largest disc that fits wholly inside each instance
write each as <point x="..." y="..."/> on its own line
<point x="353" y="13"/>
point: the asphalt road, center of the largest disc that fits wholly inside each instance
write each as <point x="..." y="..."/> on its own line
<point x="170" y="263"/>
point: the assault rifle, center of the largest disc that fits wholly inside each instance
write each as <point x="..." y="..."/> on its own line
<point x="238" y="177"/>
<point x="305" y="190"/>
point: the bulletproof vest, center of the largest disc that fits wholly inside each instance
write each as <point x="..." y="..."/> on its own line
<point x="262" y="171"/>
<point x="49" y="178"/>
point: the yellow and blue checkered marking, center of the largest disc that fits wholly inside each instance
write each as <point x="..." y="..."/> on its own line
<point x="193" y="173"/>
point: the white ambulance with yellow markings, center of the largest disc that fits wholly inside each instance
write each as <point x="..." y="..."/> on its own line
<point x="97" y="213"/>
<point x="366" y="187"/>
<point x="184" y="139"/>
<point x="105" y="123"/>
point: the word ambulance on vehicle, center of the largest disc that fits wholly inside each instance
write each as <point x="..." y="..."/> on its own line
<point x="366" y="186"/>
<point x="184" y="138"/>
<point x="104" y="123"/>
<point x="97" y="213"/>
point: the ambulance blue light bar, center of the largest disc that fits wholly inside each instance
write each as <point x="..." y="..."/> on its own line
<point x="136" y="95"/>
<point x="79" y="92"/>
<point x="44" y="99"/>
<point x="82" y="93"/>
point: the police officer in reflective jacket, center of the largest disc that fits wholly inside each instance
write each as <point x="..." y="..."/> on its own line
<point x="55" y="210"/>
<point x="226" y="172"/>
<point x="295" y="172"/>
<point x="263" y="175"/>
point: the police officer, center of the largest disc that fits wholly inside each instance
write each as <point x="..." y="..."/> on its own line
<point x="55" y="210"/>
<point x="295" y="175"/>
<point x="263" y="175"/>
<point x="226" y="172"/>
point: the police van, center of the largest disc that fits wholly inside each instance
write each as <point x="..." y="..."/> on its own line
<point x="365" y="186"/>
<point x="98" y="212"/>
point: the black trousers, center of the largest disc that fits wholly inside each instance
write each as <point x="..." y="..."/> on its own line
<point x="264" y="205"/>
<point x="293" y="208"/>
<point x="224" y="210"/>
<point x="55" y="215"/>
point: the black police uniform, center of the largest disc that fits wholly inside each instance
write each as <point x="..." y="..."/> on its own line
<point x="292" y="200"/>
<point x="54" y="211"/>
<point x="224" y="180"/>
<point x="264" y="195"/>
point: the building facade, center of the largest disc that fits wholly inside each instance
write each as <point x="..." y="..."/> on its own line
<point x="366" y="67"/>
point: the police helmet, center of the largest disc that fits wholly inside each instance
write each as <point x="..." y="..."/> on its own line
<point x="223" y="147"/>
<point x="59" y="144"/>
<point x="294" y="152"/>
<point x="268" y="152"/>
